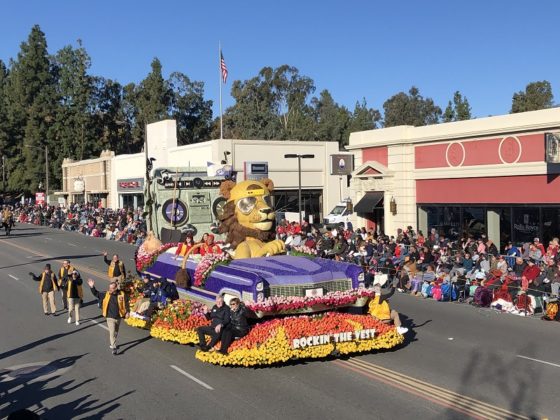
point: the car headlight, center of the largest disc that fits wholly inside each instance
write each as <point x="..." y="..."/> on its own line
<point x="260" y="286"/>
<point x="361" y="284"/>
<point x="260" y="297"/>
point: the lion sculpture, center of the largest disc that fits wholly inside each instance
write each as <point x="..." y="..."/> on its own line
<point x="248" y="219"/>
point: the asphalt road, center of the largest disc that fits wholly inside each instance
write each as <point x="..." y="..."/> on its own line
<point x="458" y="361"/>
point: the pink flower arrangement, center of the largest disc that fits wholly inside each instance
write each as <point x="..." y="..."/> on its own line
<point x="145" y="259"/>
<point x="291" y="303"/>
<point x="206" y="265"/>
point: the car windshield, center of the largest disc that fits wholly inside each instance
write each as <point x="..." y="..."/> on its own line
<point x="338" y="210"/>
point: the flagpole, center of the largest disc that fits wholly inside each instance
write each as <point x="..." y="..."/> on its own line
<point x="220" y="82"/>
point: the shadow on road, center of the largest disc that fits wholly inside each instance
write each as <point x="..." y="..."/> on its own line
<point x="123" y="348"/>
<point x="508" y="379"/>
<point x="44" y="340"/>
<point x="30" y="390"/>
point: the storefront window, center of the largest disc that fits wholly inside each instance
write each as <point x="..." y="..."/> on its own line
<point x="525" y="224"/>
<point x="474" y="221"/>
<point x="445" y="220"/>
<point x="550" y="224"/>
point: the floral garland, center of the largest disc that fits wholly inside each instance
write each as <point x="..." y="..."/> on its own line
<point x="206" y="265"/>
<point x="290" y="303"/>
<point x="271" y="342"/>
<point x="145" y="260"/>
<point x="304" y="251"/>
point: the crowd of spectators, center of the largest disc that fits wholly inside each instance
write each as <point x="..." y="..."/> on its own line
<point x="417" y="260"/>
<point x="125" y="225"/>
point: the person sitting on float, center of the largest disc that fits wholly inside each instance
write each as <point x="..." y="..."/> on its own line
<point x="184" y="247"/>
<point x="379" y="308"/>
<point x="209" y="247"/>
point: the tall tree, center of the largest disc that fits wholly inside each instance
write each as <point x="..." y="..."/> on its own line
<point x="188" y="107"/>
<point x="272" y="105"/>
<point x="151" y="100"/>
<point x="412" y="109"/>
<point x="31" y="98"/>
<point x="537" y="95"/>
<point x="112" y="123"/>
<point x="331" y="120"/>
<point x="362" y="119"/>
<point x="4" y="125"/>
<point x="75" y="132"/>
<point x="458" y="110"/>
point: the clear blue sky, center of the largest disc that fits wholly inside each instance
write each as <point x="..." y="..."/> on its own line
<point x="356" y="49"/>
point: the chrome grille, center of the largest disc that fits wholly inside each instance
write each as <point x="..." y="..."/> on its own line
<point x="299" y="289"/>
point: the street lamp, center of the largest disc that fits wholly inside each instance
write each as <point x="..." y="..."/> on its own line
<point x="299" y="158"/>
<point x="46" y="169"/>
<point x="4" y="173"/>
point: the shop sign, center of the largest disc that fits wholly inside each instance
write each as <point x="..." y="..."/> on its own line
<point x="342" y="164"/>
<point x="342" y="337"/>
<point x="40" y="198"/>
<point x="135" y="184"/>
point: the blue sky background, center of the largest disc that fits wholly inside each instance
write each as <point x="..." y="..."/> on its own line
<point x="356" y="49"/>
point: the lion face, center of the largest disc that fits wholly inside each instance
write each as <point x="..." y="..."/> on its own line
<point x="248" y="212"/>
<point x="255" y="212"/>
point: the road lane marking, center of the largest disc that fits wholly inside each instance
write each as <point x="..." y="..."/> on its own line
<point x="71" y="244"/>
<point x="47" y="239"/>
<point x="188" y="375"/>
<point x="99" y="324"/>
<point x="441" y="396"/>
<point x="83" y="268"/>
<point x="538" y="361"/>
<point x="14" y="277"/>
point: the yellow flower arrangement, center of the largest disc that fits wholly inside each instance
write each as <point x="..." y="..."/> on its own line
<point x="137" y="323"/>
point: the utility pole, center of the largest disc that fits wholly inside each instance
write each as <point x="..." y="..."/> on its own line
<point x="4" y="173"/>
<point x="47" y="173"/>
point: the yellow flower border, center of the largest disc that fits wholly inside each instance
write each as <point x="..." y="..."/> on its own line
<point x="137" y="323"/>
<point x="177" y="336"/>
<point x="277" y="350"/>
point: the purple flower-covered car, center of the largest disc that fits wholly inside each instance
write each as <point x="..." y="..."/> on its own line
<point x="257" y="279"/>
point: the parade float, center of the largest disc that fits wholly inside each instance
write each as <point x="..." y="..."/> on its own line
<point x="302" y="307"/>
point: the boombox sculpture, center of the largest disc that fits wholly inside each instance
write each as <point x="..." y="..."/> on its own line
<point x="185" y="199"/>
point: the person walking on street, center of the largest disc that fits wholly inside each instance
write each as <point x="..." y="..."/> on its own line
<point x="75" y="295"/>
<point x="115" y="306"/>
<point x="63" y="276"/>
<point x="219" y="317"/>
<point x="47" y="286"/>
<point x="116" y="270"/>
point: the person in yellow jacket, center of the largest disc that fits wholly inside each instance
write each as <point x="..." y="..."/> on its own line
<point x="47" y="286"/>
<point x="75" y="295"/>
<point x="116" y="270"/>
<point x="63" y="276"/>
<point x="379" y="308"/>
<point x="115" y="307"/>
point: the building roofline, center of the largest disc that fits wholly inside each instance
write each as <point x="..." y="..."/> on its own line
<point x="478" y="127"/>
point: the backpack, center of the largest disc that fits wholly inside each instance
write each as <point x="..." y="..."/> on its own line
<point x="524" y="303"/>
<point x="426" y="289"/>
<point x="482" y="297"/>
<point x="446" y="289"/>
<point x="551" y="313"/>
<point x="436" y="292"/>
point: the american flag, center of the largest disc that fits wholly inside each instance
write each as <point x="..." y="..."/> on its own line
<point x="223" y="68"/>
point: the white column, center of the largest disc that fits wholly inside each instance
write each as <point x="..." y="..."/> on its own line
<point x="423" y="220"/>
<point x="493" y="228"/>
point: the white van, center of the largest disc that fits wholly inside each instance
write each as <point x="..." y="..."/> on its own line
<point x="341" y="213"/>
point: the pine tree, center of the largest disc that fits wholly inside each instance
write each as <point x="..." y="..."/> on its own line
<point x="31" y="99"/>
